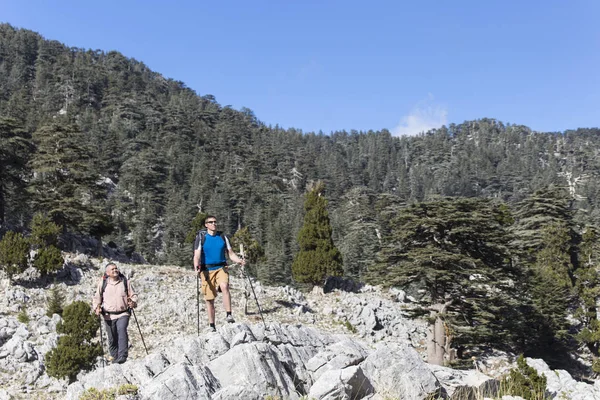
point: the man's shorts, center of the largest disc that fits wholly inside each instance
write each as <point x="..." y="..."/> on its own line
<point x="215" y="278"/>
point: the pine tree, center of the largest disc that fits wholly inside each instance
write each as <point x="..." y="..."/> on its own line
<point x="455" y="251"/>
<point x="15" y="147"/>
<point x="75" y="350"/>
<point x="14" y="249"/>
<point x="318" y="257"/>
<point x="544" y="239"/>
<point x="588" y="290"/>
<point x="55" y="302"/>
<point x="44" y="239"/>
<point x="63" y="184"/>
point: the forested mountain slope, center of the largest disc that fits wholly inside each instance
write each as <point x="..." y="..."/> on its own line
<point x="164" y="151"/>
<point x="110" y="149"/>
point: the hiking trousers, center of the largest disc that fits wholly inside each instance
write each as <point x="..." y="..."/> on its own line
<point x="118" y="341"/>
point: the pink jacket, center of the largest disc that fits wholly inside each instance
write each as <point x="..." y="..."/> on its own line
<point x="114" y="299"/>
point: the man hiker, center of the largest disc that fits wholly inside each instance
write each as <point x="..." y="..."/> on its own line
<point x="211" y="264"/>
<point x="113" y="300"/>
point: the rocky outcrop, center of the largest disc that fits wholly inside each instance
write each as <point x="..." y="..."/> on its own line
<point x="284" y="361"/>
<point x="336" y="345"/>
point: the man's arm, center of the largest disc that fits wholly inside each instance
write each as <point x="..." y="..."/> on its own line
<point x="132" y="296"/>
<point x="232" y="256"/>
<point x="197" y="260"/>
<point x="96" y="306"/>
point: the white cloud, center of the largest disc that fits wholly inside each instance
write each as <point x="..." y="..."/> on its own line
<point x="424" y="116"/>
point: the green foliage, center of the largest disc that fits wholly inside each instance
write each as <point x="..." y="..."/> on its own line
<point x="23" y="317"/>
<point x="544" y="239"/>
<point x="358" y="231"/>
<point x="318" y="257"/>
<point x="596" y="366"/>
<point x="349" y="326"/>
<point x="79" y="322"/>
<point x="588" y="290"/>
<point x="145" y="150"/>
<point x="95" y="394"/>
<point x="75" y="351"/>
<point x="127" y="388"/>
<point x="197" y="225"/>
<point x="14" y="250"/>
<point x="70" y="357"/>
<point x="253" y="251"/>
<point x="48" y="260"/>
<point x="15" y="148"/>
<point x="109" y="394"/>
<point x="55" y="302"/>
<point x="524" y="381"/>
<point x="64" y="184"/>
<point x="455" y="252"/>
<point x="44" y="232"/>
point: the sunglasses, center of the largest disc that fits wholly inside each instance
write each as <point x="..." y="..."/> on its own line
<point x="211" y="222"/>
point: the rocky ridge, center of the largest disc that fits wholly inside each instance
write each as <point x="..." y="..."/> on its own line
<point x="322" y="345"/>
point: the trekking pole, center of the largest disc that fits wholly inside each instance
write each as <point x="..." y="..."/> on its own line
<point x="138" y="325"/>
<point x="252" y="287"/>
<point x="198" y="300"/>
<point x="102" y="341"/>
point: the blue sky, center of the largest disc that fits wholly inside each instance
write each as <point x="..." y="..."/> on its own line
<point x="333" y="65"/>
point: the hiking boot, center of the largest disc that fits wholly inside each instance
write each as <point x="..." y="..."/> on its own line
<point x="119" y="361"/>
<point x="230" y="319"/>
<point x="210" y="329"/>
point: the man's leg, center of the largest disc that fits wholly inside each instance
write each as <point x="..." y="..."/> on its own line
<point x="121" y="325"/>
<point x="226" y="296"/>
<point x="210" y="310"/>
<point x="223" y="282"/>
<point x="111" y="332"/>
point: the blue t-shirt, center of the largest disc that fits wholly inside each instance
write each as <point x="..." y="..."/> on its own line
<point x="213" y="251"/>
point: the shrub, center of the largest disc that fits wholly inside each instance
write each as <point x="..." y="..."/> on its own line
<point x="95" y="394"/>
<point x="127" y="388"/>
<point x="524" y="381"/>
<point x="44" y="232"/>
<point x="108" y="394"/>
<point x="74" y="351"/>
<point x="55" y="302"/>
<point x="349" y="326"/>
<point x="23" y="317"/>
<point x="70" y="357"/>
<point x="79" y="322"/>
<point x="48" y="259"/>
<point x="14" y="249"/>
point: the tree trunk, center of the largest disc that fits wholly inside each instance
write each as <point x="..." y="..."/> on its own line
<point x="99" y="248"/>
<point x="1" y="205"/>
<point x="438" y="340"/>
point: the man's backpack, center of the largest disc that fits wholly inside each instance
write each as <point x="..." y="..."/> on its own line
<point x="201" y="238"/>
<point x="103" y="288"/>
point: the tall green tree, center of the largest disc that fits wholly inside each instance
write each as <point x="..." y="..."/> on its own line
<point x="359" y="231"/>
<point x="456" y="252"/>
<point x="588" y="290"/>
<point x="63" y="186"/>
<point x="15" y="148"/>
<point x="14" y="250"/>
<point x="544" y="239"/>
<point x="75" y="350"/>
<point x="318" y="257"/>
<point x="44" y="239"/>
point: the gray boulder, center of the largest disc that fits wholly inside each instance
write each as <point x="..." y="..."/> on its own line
<point x="341" y="384"/>
<point x="400" y="373"/>
<point x="254" y="366"/>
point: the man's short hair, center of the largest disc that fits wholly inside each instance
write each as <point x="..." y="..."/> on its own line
<point x="109" y="264"/>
